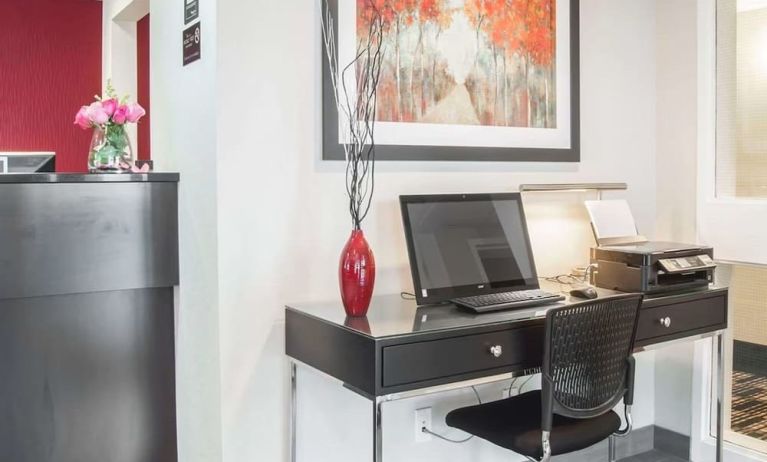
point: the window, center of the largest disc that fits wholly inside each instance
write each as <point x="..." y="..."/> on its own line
<point x="740" y="182"/>
<point x="741" y="156"/>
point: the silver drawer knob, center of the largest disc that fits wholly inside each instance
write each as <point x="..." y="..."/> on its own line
<point x="496" y="351"/>
<point x="665" y="322"/>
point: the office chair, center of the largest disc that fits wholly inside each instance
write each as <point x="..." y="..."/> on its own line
<point x="588" y="368"/>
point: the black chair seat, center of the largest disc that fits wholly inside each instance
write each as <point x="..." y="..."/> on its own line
<point x="515" y="424"/>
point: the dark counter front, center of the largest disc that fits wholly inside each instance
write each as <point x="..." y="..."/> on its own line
<point x="88" y="265"/>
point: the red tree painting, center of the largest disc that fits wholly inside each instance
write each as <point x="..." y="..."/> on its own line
<point x="468" y="62"/>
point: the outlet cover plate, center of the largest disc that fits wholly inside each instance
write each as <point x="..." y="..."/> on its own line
<point x="422" y="419"/>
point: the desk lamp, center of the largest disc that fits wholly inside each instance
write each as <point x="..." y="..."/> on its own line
<point x="579" y="272"/>
<point x="574" y="187"/>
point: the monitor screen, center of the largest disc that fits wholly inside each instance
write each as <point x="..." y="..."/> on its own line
<point x="466" y="244"/>
<point x="27" y="162"/>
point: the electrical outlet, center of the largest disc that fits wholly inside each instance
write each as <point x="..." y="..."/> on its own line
<point x="422" y="420"/>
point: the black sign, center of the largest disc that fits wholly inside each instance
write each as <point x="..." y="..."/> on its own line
<point x="191" y="44"/>
<point x="191" y="10"/>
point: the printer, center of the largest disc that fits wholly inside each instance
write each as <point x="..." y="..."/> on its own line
<point x="652" y="267"/>
<point x="628" y="262"/>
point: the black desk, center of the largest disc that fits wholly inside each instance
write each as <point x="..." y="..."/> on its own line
<point x="399" y="350"/>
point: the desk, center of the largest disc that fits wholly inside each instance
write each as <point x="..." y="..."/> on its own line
<point x="400" y="351"/>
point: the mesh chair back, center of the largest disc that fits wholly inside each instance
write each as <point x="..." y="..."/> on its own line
<point x="587" y="350"/>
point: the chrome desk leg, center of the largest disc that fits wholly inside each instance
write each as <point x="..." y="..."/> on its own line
<point x="611" y="448"/>
<point x="292" y="412"/>
<point x="720" y="397"/>
<point x="377" y="429"/>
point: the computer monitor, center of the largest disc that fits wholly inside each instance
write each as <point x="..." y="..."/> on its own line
<point x="27" y="162"/>
<point x="461" y="245"/>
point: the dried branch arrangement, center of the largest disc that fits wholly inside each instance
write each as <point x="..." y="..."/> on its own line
<point x="357" y="108"/>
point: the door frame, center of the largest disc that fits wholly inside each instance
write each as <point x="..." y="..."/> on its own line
<point x="119" y="48"/>
<point x="702" y="443"/>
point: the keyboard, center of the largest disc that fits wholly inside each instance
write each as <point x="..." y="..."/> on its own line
<point x="508" y="300"/>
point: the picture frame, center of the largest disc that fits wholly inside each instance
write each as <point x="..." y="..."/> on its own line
<point x="473" y="150"/>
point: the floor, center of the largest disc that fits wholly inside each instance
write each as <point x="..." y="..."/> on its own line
<point x="749" y="404"/>
<point x="653" y="456"/>
<point x="749" y="413"/>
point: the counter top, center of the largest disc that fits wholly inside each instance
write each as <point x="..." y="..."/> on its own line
<point x="392" y="316"/>
<point x="158" y="177"/>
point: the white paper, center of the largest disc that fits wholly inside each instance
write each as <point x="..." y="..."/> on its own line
<point x="611" y="219"/>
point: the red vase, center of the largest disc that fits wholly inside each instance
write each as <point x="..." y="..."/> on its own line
<point x="357" y="275"/>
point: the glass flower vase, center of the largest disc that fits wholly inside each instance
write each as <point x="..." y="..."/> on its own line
<point x="111" y="150"/>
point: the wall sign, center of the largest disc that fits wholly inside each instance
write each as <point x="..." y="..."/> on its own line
<point x="191" y="44"/>
<point x="191" y="10"/>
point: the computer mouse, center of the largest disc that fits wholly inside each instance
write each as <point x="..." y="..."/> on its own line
<point x="587" y="292"/>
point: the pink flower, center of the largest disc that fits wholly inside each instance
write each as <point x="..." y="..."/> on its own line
<point x="121" y="115"/>
<point x="110" y="106"/>
<point x="81" y="119"/>
<point x="144" y="169"/>
<point x="135" y="112"/>
<point x="97" y="114"/>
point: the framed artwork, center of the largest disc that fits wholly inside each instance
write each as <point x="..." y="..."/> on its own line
<point x="465" y="80"/>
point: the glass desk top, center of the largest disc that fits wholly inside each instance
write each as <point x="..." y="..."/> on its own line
<point x="391" y="315"/>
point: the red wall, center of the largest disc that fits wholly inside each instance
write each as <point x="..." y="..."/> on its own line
<point x="144" y="133"/>
<point x="50" y="65"/>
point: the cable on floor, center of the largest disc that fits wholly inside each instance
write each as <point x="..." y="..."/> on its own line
<point x="511" y="385"/>
<point x="521" y="387"/>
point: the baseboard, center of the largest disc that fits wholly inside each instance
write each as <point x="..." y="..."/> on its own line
<point x="672" y="443"/>
<point x="639" y="441"/>
<point x="750" y="357"/>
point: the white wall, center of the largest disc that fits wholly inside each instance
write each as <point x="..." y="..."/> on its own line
<point x="677" y="184"/>
<point x="119" y="50"/>
<point x="119" y="53"/>
<point x="282" y="219"/>
<point x="677" y="119"/>
<point x="184" y="140"/>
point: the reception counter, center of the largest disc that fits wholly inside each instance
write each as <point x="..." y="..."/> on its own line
<point x="88" y="266"/>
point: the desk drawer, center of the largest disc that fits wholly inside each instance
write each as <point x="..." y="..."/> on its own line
<point x="436" y="359"/>
<point x="683" y="317"/>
